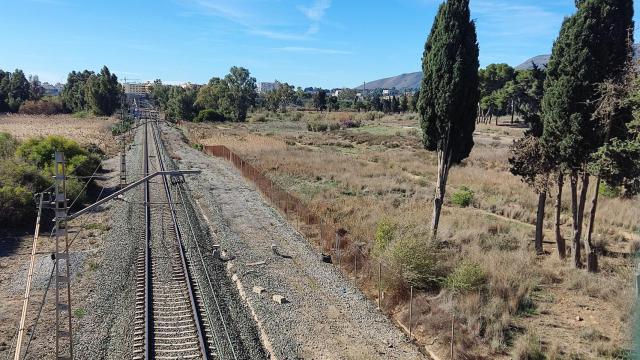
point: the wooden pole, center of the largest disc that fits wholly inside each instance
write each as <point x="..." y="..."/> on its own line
<point x="411" y="313"/>
<point x="27" y="289"/>
<point x="379" y="285"/>
<point x="452" y="334"/>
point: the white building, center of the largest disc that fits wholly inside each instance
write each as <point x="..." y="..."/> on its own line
<point x="137" y="88"/>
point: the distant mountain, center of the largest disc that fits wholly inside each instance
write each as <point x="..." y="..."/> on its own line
<point x="400" y="82"/>
<point x="412" y="80"/>
<point x="542" y="60"/>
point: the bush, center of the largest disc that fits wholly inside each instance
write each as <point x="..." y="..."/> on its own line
<point x="383" y="236"/>
<point x="528" y="347"/>
<point x="418" y="262"/>
<point x="14" y="172"/>
<point x="334" y="126"/>
<point x="209" y="115"/>
<point x="462" y="197"/>
<point x="610" y="191"/>
<point x="8" y="145"/>
<point x="317" y="126"/>
<point x="41" y="107"/>
<point x="466" y="277"/>
<point x="348" y="124"/>
<point x="40" y="151"/>
<point x="16" y="205"/>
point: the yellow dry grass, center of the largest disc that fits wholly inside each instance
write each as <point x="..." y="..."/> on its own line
<point x="90" y="130"/>
<point x="359" y="176"/>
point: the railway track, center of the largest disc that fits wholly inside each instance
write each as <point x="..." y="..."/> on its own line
<point x="171" y="320"/>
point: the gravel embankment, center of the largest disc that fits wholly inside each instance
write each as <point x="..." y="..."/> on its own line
<point x="326" y="316"/>
<point x="106" y="331"/>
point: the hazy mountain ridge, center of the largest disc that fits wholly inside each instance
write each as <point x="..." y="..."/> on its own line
<point x="412" y="80"/>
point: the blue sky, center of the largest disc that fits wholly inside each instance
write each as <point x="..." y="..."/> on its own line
<point x="328" y="43"/>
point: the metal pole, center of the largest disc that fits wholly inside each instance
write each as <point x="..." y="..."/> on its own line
<point x="61" y="232"/>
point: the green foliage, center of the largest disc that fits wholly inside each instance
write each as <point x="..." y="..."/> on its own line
<point x="181" y="104"/>
<point x="320" y="100"/>
<point x="463" y="197"/>
<point x="609" y="191"/>
<point x="449" y="93"/>
<point x="121" y="127"/>
<point x="242" y="92"/>
<point x="617" y="162"/>
<point x="87" y="91"/>
<point x="209" y="115"/>
<point x="103" y="92"/>
<point x="531" y="161"/>
<point x="384" y="235"/>
<point x="8" y="145"/>
<point x="467" y="276"/>
<point x="418" y="262"/>
<point x="591" y="48"/>
<point x="40" y="151"/>
<point x="16" y="205"/>
<point x="14" y="90"/>
<point x="14" y="172"/>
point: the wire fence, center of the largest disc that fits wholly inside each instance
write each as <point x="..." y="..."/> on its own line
<point x="350" y="254"/>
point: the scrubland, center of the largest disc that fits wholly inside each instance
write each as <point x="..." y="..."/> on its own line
<point x="369" y="174"/>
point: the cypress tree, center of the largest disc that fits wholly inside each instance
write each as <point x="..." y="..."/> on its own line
<point x="592" y="47"/>
<point x="449" y="92"/>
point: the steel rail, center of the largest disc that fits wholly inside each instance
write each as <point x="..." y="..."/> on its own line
<point x="147" y="254"/>
<point x="194" y="307"/>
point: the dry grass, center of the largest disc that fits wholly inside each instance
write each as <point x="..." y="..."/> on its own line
<point x="90" y="130"/>
<point x="358" y="177"/>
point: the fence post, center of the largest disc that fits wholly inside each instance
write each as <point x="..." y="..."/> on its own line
<point x="379" y="285"/>
<point x="338" y="247"/>
<point x="453" y="319"/>
<point x="411" y="313"/>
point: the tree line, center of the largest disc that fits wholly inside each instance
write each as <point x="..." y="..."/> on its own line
<point x="99" y="93"/>
<point x="583" y="111"/>
<point x="228" y="98"/>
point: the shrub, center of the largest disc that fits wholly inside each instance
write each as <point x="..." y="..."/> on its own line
<point x="418" y="262"/>
<point x="348" y="124"/>
<point x="8" y="145"/>
<point x="209" y="115"/>
<point x="317" y="126"/>
<point x="296" y="116"/>
<point x="528" y="347"/>
<point x="14" y="172"/>
<point x="16" y="205"/>
<point x="610" y="191"/>
<point x="41" y="107"/>
<point x="383" y="236"/>
<point x="40" y="152"/>
<point x="334" y="126"/>
<point x="462" y="197"/>
<point x="466" y="277"/>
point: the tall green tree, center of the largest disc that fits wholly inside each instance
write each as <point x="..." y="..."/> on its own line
<point x="74" y="92"/>
<point x="18" y="91"/>
<point x="320" y="100"/>
<point x="449" y="93"/>
<point x="592" y="47"/>
<point x="242" y="92"/>
<point x="104" y="92"/>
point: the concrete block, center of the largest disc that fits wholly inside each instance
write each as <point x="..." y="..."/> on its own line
<point x="279" y="299"/>
<point x="258" y="289"/>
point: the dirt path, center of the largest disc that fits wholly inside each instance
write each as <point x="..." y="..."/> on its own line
<point x="326" y="317"/>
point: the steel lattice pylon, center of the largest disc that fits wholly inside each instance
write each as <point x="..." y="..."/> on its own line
<point x="63" y="301"/>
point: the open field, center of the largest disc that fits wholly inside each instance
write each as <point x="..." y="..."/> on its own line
<point x="360" y="176"/>
<point x="89" y="130"/>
